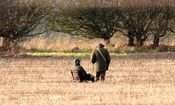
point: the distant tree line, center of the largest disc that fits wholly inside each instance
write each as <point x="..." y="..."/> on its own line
<point x="102" y="19"/>
<point x="136" y="19"/>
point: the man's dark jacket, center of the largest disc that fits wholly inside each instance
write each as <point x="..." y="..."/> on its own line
<point x="100" y="63"/>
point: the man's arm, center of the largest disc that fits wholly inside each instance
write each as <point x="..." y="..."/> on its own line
<point x="108" y="59"/>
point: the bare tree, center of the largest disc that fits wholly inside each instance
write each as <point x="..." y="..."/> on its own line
<point x="162" y="23"/>
<point x="138" y="20"/>
<point x="102" y="18"/>
<point x="19" y="19"/>
<point x="92" y="21"/>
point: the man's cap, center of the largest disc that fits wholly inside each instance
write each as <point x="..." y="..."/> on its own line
<point x="100" y="45"/>
<point x="77" y="60"/>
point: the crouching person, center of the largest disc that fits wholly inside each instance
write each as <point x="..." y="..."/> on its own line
<point x="79" y="74"/>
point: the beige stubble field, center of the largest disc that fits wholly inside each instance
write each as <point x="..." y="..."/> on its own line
<point x="131" y="80"/>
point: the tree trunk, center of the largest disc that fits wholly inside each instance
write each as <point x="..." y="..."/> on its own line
<point x="139" y="41"/>
<point x="156" y="40"/>
<point x="131" y="41"/>
<point x="6" y="43"/>
<point x="131" y="38"/>
<point x="10" y="45"/>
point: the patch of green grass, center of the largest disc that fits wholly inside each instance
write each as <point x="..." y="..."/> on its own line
<point x="60" y="51"/>
<point x="87" y="52"/>
<point x="77" y="51"/>
<point x="60" y="54"/>
<point x="73" y="54"/>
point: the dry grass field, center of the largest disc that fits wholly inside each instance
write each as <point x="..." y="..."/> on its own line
<point x="131" y="80"/>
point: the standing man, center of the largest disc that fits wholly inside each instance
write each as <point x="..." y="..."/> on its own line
<point x="101" y="59"/>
